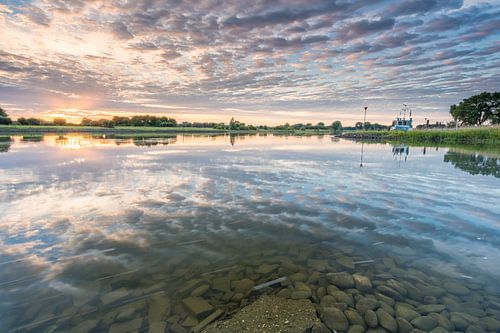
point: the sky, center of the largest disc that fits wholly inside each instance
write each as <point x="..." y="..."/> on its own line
<point x="261" y="61"/>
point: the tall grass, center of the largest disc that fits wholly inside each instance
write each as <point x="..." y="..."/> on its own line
<point x="464" y="135"/>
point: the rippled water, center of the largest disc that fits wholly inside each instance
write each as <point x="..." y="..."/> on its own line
<point x="114" y="234"/>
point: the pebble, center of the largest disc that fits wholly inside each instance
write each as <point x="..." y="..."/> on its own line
<point x="334" y="319"/>
<point x="200" y="291"/>
<point x="242" y="286"/>
<point x="198" y="307"/>
<point x="425" y="323"/>
<point x="355" y="329"/>
<point x="387" y="321"/>
<point x="354" y="318"/>
<point x="114" y="296"/>
<point x="343" y="279"/>
<point x="406" y="313"/>
<point x="456" y="288"/>
<point x="371" y="318"/>
<point x="428" y="308"/>
<point x="221" y="284"/>
<point x="404" y="325"/>
<point x="362" y="282"/>
<point x="367" y="303"/>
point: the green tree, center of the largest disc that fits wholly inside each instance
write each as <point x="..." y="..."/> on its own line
<point x="86" y="121"/>
<point x="336" y="126"/>
<point x="4" y="118"/>
<point x="477" y="109"/>
<point x="59" y="121"/>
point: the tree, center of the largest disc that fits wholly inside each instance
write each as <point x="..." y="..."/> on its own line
<point x="86" y="121"/>
<point x="4" y="118"/>
<point x="478" y="109"/>
<point x="358" y="125"/>
<point x="3" y="113"/>
<point x="59" y="121"/>
<point x="336" y="126"/>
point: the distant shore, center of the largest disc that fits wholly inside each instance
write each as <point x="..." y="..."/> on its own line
<point x="490" y="135"/>
<point x="40" y="129"/>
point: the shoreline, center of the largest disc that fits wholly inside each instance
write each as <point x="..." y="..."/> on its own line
<point x="483" y="135"/>
<point x="13" y="130"/>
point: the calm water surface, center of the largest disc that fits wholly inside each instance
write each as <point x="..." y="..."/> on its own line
<point x="102" y="234"/>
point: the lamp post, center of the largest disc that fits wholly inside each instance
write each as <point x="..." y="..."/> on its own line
<point x="364" y="119"/>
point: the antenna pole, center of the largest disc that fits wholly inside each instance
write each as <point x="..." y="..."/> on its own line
<point x="364" y="119"/>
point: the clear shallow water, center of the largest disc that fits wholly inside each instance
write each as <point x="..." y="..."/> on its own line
<point x="95" y="232"/>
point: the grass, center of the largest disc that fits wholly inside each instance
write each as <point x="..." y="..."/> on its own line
<point x="447" y="136"/>
<point x="33" y="138"/>
<point x="5" y="138"/>
<point x="62" y="129"/>
<point x="142" y="129"/>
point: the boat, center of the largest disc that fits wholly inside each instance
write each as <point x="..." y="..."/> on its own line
<point x="401" y="123"/>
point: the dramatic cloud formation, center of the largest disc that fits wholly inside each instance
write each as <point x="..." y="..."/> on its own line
<point x="260" y="61"/>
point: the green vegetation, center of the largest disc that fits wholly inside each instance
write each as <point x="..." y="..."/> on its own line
<point x="336" y="127"/>
<point x="4" y="118"/>
<point x="5" y="138"/>
<point x="463" y="135"/>
<point x="478" y="109"/>
<point x="34" y="138"/>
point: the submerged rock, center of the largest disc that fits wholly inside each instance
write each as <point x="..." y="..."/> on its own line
<point x="387" y="321"/>
<point x="198" y="306"/>
<point x="404" y="325"/>
<point x="367" y="303"/>
<point x="362" y="282"/>
<point x="270" y="314"/>
<point x="371" y="318"/>
<point x="425" y="323"/>
<point x="334" y="319"/>
<point x="343" y="279"/>
<point x="242" y="286"/>
<point x="456" y="288"/>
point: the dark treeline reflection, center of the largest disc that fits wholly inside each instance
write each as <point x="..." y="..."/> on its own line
<point x="4" y="147"/>
<point x="474" y="163"/>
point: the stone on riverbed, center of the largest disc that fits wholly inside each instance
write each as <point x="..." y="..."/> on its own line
<point x="406" y="312"/>
<point x="371" y="318"/>
<point x="425" y="323"/>
<point x="199" y="307"/>
<point x="343" y="279"/>
<point x="200" y="290"/>
<point x="242" y="286"/>
<point x="428" y="308"/>
<point x="291" y="316"/>
<point x="114" y="296"/>
<point x="387" y="321"/>
<point x="221" y="284"/>
<point x="404" y="325"/>
<point x="367" y="303"/>
<point x="456" y="288"/>
<point x="362" y="282"/>
<point x="266" y="268"/>
<point x="334" y="319"/>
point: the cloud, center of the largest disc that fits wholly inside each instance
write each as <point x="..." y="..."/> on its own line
<point x="365" y="27"/>
<point x="316" y="57"/>
<point x="120" y="30"/>
<point x="408" y="7"/>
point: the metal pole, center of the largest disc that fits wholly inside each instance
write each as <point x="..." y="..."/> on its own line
<point x="364" y="119"/>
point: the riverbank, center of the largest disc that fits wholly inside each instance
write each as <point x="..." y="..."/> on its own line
<point x="490" y="135"/>
<point x="131" y="130"/>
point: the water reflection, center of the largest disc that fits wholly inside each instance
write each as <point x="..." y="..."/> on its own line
<point x="98" y="233"/>
<point x="473" y="162"/>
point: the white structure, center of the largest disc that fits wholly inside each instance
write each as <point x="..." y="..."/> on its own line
<point x="401" y="123"/>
